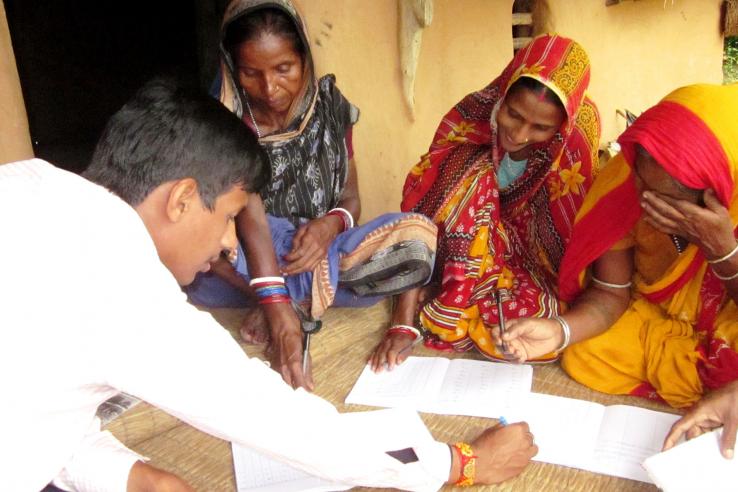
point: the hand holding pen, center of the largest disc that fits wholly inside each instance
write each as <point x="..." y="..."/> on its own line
<point x="309" y="327"/>
<point x="501" y="320"/>
<point x="503" y="451"/>
<point x="504" y="284"/>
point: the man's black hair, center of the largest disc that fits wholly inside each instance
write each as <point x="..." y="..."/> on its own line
<point x="168" y="132"/>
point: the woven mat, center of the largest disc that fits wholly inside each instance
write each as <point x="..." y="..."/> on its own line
<point x="339" y="353"/>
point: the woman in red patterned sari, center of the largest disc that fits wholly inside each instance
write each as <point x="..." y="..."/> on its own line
<point x="503" y="179"/>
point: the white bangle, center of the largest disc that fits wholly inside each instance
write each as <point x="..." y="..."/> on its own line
<point x="349" y="217"/>
<point x="263" y="280"/>
<point x="567" y="332"/>
<point x="608" y="284"/>
<point x="720" y="277"/>
<point x="723" y="258"/>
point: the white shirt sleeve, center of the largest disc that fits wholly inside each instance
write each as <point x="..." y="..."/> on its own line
<point x="101" y="464"/>
<point x="179" y="359"/>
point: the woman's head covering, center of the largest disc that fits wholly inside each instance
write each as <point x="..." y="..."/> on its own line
<point x="309" y="158"/>
<point x="527" y="223"/>
<point x="231" y="94"/>
<point x="558" y="63"/>
<point x="692" y="133"/>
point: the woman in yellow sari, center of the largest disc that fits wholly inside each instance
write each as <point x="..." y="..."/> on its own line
<point x="654" y="244"/>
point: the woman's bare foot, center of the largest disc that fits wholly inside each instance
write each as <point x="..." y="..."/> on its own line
<point x="254" y="327"/>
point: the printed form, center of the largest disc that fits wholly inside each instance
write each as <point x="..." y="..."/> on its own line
<point x="446" y="386"/>
<point x="612" y="440"/>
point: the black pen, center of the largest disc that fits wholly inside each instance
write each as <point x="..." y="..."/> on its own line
<point x="501" y="318"/>
<point x="309" y="326"/>
<point x="305" y="351"/>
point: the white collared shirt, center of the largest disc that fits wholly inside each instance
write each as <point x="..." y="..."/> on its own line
<point x="87" y="310"/>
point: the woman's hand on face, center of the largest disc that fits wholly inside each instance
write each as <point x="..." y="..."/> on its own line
<point x="528" y="338"/>
<point x="311" y="243"/>
<point x="708" y="227"/>
<point x="391" y="352"/>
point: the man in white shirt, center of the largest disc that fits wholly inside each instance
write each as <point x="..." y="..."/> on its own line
<point x="90" y="305"/>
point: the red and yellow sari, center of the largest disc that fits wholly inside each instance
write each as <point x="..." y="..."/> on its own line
<point x="514" y="238"/>
<point x="679" y="335"/>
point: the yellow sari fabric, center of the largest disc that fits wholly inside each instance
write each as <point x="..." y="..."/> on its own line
<point x="660" y="348"/>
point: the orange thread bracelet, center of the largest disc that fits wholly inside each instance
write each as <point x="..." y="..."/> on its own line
<point x="468" y="464"/>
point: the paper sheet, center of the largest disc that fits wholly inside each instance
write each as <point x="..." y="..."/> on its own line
<point x="379" y="431"/>
<point x="482" y="389"/>
<point x="696" y="464"/>
<point x="582" y="434"/>
<point x="409" y="385"/>
<point x="565" y="429"/>
<point x="256" y="472"/>
<point x="628" y="435"/>
<point x="447" y="387"/>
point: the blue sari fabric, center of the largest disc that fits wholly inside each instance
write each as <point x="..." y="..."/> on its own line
<point x="212" y="291"/>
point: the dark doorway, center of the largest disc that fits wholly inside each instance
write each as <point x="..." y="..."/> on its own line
<point x="80" y="60"/>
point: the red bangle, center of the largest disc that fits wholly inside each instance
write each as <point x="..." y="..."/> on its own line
<point x="344" y="216"/>
<point x="404" y="331"/>
<point x="268" y="284"/>
<point x="275" y="299"/>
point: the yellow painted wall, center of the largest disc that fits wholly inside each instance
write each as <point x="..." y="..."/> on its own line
<point x="463" y="50"/>
<point x="641" y="50"/>
<point x="15" y="141"/>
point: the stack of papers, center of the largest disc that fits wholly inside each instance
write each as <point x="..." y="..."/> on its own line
<point x="619" y="440"/>
<point x="576" y="433"/>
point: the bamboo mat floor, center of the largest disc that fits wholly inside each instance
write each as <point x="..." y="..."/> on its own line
<point x="339" y="353"/>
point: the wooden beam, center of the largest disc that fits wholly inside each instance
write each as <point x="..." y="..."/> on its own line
<point x="520" y="42"/>
<point x="524" y="19"/>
